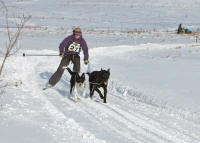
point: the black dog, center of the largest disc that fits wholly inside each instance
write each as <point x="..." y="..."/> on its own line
<point x="99" y="79"/>
<point x="76" y="82"/>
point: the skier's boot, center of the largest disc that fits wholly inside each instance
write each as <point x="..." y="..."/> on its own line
<point x="47" y="86"/>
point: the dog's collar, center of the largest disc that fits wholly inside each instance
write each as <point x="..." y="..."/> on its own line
<point x="95" y="83"/>
<point x="98" y="83"/>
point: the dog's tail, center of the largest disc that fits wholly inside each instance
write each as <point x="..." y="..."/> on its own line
<point x="88" y="73"/>
<point x="69" y="70"/>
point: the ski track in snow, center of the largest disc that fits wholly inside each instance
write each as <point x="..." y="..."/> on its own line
<point x="125" y="118"/>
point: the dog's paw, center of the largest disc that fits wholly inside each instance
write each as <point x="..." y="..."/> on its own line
<point x="70" y="96"/>
<point x="84" y="95"/>
<point x="101" y="97"/>
<point x="76" y="100"/>
<point x="90" y="98"/>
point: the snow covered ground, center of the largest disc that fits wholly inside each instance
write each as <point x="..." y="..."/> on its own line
<point x="153" y="94"/>
<point x="140" y="101"/>
<point x="112" y="14"/>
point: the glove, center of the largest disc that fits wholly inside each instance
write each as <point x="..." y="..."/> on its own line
<point x="62" y="55"/>
<point x="86" y="62"/>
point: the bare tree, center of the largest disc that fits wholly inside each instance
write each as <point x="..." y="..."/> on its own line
<point x="1" y="93"/>
<point x="12" y="37"/>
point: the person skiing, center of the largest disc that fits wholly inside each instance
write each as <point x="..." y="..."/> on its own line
<point x="179" y="28"/>
<point x="183" y="30"/>
<point x="70" y="49"/>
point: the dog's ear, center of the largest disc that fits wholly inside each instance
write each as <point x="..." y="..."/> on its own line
<point x="101" y="69"/>
<point x="108" y="70"/>
<point x="83" y="75"/>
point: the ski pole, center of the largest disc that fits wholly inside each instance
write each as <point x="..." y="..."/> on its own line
<point x="37" y="55"/>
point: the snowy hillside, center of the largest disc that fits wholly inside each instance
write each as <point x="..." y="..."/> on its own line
<point x="153" y="92"/>
<point x="112" y="14"/>
<point x="131" y="114"/>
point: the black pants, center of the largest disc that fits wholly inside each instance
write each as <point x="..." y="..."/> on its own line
<point x="65" y="62"/>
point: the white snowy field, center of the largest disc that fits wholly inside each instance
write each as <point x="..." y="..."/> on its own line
<point x="153" y="93"/>
<point x="112" y="14"/>
<point x="152" y="97"/>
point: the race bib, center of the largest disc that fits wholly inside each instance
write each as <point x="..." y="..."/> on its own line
<point x="74" y="47"/>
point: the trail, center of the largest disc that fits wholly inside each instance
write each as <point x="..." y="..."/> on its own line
<point x="126" y="118"/>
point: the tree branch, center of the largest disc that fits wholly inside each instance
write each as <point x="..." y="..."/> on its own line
<point x="6" y="17"/>
<point x="12" y="39"/>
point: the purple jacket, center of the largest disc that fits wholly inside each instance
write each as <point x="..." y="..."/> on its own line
<point x="71" y="45"/>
